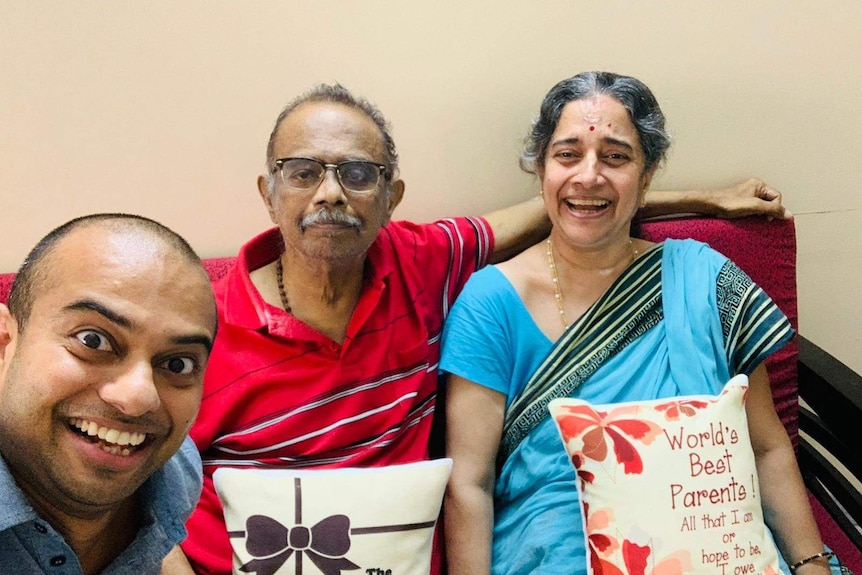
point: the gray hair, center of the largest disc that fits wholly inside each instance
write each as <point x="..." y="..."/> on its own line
<point x="634" y="95"/>
<point x="338" y="94"/>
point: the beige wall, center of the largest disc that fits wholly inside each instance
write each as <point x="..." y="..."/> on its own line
<point x="163" y="108"/>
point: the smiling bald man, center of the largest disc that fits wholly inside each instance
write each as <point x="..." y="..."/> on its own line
<point x="103" y="347"/>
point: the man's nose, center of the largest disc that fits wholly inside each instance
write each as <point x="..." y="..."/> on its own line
<point x="133" y="391"/>
<point x="329" y="190"/>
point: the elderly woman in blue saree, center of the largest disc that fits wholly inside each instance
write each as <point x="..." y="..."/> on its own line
<point x="594" y="313"/>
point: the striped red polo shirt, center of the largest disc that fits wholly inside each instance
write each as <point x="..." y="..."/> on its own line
<point x="279" y="394"/>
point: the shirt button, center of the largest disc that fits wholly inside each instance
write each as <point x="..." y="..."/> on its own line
<point x="40" y="528"/>
<point x="58" y="561"/>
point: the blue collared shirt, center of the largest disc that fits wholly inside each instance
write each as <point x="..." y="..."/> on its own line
<point x="30" y="546"/>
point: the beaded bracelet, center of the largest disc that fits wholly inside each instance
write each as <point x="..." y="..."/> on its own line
<point x="798" y="564"/>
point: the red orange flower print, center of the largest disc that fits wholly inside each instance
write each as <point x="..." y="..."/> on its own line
<point x="597" y="429"/>
<point x="676" y="409"/>
<point x="609" y="556"/>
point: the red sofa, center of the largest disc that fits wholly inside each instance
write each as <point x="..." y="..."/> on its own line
<point x="831" y="393"/>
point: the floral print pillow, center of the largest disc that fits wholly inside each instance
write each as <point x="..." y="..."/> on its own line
<point x="668" y="486"/>
<point x="312" y="522"/>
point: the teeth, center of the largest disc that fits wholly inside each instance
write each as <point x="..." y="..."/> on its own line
<point x="588" y="202"/>
<point x="113" y="436"/>
<point x="115" y="449"/>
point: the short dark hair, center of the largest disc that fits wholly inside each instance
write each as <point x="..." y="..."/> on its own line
<point x="338" y="94"/>
<point x="634" y="95"/>
<point x="33" y="272"/>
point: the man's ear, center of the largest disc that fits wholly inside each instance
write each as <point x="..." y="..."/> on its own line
<point x="8" y="336"/>
<point x="396" y="194"/>
<point x="266" y="196"/>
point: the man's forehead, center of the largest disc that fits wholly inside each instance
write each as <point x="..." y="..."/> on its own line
<point x="331" y="127"/>
<point x="168" y="308"/>
<point x="129" y="261"/>
<point x="107" y="242"/>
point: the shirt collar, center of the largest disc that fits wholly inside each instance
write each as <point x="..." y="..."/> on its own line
<point x="241" y="302"/>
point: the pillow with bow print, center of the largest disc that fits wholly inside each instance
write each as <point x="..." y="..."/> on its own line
<point x="668" y="486"/>
<point x="310" y="522"/>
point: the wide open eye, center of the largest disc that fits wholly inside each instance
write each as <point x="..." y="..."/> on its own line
<point x="180" y="365"/>
<point x="94" y="340"/>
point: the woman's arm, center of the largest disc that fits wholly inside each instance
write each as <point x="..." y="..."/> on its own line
<point x="474" y="423"/>
<point x="785" y="502"/>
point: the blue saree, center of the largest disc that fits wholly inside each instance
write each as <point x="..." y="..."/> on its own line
<point x="708" y="323"/>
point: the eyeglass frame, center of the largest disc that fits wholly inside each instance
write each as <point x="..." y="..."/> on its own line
<point x="382" y="171"/>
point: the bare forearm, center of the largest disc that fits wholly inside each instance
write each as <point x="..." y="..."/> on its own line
<point x="787" y="511"/>
<point x="474" y="422"/>
<point x="747" y="198"/>
<point x="468" y="528"/>
<point x="518" y="227"/>
<point x="665" y="203"/>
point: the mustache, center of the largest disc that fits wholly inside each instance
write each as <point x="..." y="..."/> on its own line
<point x="326" y="216"/>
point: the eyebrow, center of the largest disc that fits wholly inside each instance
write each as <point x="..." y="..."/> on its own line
<point x="91" y="305"/>
<point x="203" y="340"/>
<point x="612" y="141"/>
<point x="123" y="321"/>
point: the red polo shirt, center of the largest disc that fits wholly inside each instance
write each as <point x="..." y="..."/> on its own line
<point x="278" y="393"/>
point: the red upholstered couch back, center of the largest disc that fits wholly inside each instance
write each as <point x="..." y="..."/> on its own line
<point x="5" y="285"/>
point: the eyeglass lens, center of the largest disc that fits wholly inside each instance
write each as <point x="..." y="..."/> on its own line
<point x="354" y="175"/>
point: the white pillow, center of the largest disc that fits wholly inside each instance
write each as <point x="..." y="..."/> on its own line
<point x="377" y="520"/>
<point x="668" y="486"/>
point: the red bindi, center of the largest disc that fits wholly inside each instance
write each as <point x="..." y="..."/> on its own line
<point x="592" y="128"/>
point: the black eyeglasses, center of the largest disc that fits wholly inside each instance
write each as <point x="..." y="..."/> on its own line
<point x="357" y="176"/>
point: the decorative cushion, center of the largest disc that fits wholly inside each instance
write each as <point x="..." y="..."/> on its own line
<point x="668" y="486"/>
<point x="308" y="522"/>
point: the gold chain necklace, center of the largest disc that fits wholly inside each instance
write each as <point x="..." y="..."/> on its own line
<point x="558" y="294"/>
<point x="553" y="265"/>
